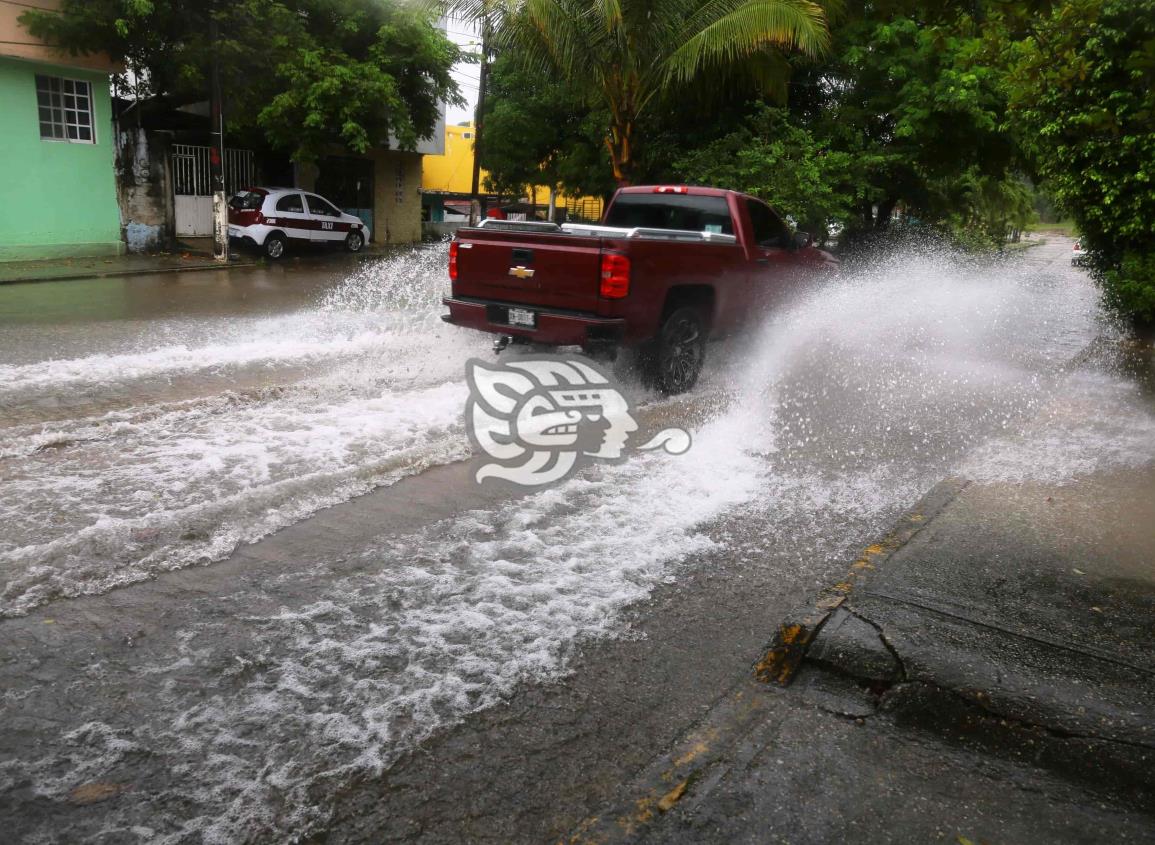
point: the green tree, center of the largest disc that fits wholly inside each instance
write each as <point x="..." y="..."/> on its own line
<point x="626" y="56"/>
<point x="772" y="157"/>
<point x="905" y="113"/>
<point x="305" y="73"/>
<point x="907" y="94"/>
<point x="1082" y="98"/>
<point x="540" y="132"/>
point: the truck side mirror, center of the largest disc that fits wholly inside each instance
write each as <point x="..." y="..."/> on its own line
<point x="802" y="240"/>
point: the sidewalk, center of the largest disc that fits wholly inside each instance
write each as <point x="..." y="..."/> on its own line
<point x="193" y="254"/>
<point x="984" y="673"/>
<point x="57" y="269"/>
<point x="1035" y="603"/>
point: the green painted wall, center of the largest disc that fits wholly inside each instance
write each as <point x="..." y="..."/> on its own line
<point x="56" y="198"/>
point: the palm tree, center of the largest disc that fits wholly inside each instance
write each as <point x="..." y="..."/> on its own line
<point x="629" y="54"/>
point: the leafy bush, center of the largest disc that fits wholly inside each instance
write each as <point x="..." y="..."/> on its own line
<point x="1082" y="97"/>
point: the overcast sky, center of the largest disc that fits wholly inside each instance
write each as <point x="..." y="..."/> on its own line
<point x="466" y="75"/>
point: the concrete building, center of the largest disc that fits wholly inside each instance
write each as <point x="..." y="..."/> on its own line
<point x="165" y="184"/>
<point x="57" y="146"/>
<point x="382" y="187"/>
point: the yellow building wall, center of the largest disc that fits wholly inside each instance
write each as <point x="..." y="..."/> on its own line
<point x="588" y="207"/>
<point x="453" y="173"/>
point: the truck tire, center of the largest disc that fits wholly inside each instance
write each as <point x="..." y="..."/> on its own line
<point x="275" y="245"/>
<point x="678" y="351"/>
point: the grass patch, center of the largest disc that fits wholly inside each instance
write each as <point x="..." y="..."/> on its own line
<point x="1063" y="227"/>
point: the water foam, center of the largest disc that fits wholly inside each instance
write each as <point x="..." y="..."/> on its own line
<point x="102" y="500"/>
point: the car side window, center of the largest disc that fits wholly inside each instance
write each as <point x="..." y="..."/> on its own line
<point x="291" y="203"/>
<point x="321" y="207"/>
<point x="769" y="230"/>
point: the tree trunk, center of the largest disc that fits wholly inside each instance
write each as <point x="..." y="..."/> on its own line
<point x="885" y="209"/>
<point x="552" y="203"/>
<point x="619" y="144"/>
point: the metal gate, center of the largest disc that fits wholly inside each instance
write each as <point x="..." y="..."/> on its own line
<point x="192" y="188"/>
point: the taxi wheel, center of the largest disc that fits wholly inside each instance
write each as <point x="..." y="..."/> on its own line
<point x="275" y="245"/>
<point x="354" y="241"/>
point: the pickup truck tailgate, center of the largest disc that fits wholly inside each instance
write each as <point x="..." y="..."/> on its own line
<point x="547" y="271"/>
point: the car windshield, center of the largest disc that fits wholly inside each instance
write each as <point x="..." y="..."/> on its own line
<point x="246" y="201"/>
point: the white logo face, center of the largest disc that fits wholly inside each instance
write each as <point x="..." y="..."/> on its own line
<point x="536" y="417"/>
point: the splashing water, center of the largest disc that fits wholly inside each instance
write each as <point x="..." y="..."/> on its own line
<point x="838" y="414"/>
<point x="285" y="415"/>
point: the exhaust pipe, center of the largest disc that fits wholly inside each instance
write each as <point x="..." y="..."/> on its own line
<point x="500" y="342"/>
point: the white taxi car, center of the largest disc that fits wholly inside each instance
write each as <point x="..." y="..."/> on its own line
<point x="270" y="218"/>
<point x="1079" y="256"/>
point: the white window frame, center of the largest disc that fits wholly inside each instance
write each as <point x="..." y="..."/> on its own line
<point x="68" y="90"/>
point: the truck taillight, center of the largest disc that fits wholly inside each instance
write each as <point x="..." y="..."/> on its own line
<point x="453" y="261"/>
<point x="671" y="189"/>
<point x="615" y="276"/>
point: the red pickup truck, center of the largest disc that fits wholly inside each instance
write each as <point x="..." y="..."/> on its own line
<point x="669" y="266"/>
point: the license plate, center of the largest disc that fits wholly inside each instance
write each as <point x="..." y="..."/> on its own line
<point x="522" y="317"/>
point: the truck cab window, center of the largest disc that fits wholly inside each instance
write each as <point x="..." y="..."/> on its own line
<point x="769" y="230"/>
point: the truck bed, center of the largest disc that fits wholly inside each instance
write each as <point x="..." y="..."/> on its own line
<point x="546" y="264"/>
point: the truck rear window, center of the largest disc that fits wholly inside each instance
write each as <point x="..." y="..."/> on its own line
<point x="671" y="211"/>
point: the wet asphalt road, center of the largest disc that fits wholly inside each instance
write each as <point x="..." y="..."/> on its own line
<point x="254" y="595"/>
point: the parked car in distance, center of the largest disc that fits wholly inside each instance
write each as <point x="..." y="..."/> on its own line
<point x="1078" y="254"/>
<point x="272" y="218"/>
<point x="671" y="266"/>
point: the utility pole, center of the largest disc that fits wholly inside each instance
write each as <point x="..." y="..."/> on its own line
<point x="476" y="205"/>
<point x="217" y="150"/>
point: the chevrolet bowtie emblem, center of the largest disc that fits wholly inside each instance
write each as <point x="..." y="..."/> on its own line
<point x="521" y="272"/>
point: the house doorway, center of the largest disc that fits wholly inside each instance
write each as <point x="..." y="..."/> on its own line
<point x="348" y="182"/>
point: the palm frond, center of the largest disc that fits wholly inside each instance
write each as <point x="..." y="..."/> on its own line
<point x="557" y="37"/>
<point x="609" y="12"/>
<point x="724" y="32"/>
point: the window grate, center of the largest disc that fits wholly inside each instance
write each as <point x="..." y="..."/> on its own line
<point x="65" y="109"/>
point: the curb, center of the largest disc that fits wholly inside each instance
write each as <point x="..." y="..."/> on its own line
<point x="664" y="781"/>
<point x="695" y="756"/>
<point x="104" y="274"/>
<point x="785" y="652"/>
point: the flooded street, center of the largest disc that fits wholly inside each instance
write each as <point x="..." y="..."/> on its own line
<point x="244" y="570"/>
<point x="229" y="406"/>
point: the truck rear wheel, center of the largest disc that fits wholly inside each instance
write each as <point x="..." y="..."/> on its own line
<point x="679" y="350"/>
